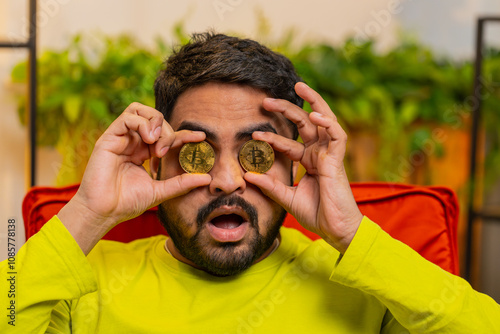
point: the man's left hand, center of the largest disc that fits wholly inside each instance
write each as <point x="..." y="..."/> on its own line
<point x="322" y="201"/>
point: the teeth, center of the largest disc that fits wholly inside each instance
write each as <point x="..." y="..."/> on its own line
<point x="227" y="225"/>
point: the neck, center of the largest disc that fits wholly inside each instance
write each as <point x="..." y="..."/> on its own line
<point x="172" y="250"/>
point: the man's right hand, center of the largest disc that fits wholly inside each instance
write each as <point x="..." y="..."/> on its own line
<point x="115" y="186"/>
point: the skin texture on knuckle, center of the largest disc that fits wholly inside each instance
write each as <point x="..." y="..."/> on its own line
<point x="100" y="141"/>
<point x="273" y="189"/>
<point x="288" y="151"/>
<point x="134" y="106"/>
<point x="280" y="105"/>
<point x="129" y="120"/>
<point x="342" y="136"/>
<point x="179" y="184"/>
<point x="157" y="119"/>
<point x="164" y="141"/>
<point x="169" y="137"/>
<point x="302" y="123"/>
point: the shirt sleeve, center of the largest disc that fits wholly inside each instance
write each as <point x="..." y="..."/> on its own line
<point x="421" y="296"/>
<point x="49" y="269"/>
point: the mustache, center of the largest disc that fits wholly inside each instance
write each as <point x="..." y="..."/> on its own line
<point x="231" y="200"/>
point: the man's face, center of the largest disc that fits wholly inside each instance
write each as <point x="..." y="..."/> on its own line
<point x="226" y="226"/>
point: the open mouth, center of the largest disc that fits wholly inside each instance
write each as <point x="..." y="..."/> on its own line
<point x="227" y="221"/>
<point x="228" y="224"/>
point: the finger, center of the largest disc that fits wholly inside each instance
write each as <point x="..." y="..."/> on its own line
<point x="337" y="135"/>
<point x="155" y="117"/>
<point x="177" y="139"/>
<point x="134" y="149"/>
<point x="127" y="122"/>
<point x="317" y="103"/>
<point x="295" y="114"/>
<point x="323" y="138"/>
<point x="291" y="148"/>
<point x="124" y="135"/>
<point x="178" y="185"/>
<point x="272" y="188"/>
<point x="164" y="141"/>
<point x="187" y="136"/>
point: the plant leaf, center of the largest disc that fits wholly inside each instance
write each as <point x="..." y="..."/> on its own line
<point x="72" y="107"/>
<point x="98" y="108"/>
<point x="18" y="74"/>
<point x="409" y="112"/>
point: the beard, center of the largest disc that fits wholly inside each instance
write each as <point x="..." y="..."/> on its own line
<point x="221" y="258"/>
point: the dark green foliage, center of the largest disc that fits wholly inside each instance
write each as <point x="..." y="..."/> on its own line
<point x="399" y="95"/>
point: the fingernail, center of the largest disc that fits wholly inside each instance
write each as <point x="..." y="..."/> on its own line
<point x="157" y="132"/>
<point x="258" y="132"/>
<point x="317" y="114"/>
<point x="163" y="151"/>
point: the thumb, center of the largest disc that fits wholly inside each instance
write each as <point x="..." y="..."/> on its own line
<point x="273" y="188"/>
<point x="178" y="185"/>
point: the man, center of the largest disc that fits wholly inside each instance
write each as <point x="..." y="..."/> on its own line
<point x="227" y="266"/>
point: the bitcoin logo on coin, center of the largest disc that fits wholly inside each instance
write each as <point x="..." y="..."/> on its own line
<point x="197" y="157"/>
<point x="256" y="156"/>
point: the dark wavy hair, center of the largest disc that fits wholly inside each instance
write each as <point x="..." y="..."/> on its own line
<point x="213" y="57"/>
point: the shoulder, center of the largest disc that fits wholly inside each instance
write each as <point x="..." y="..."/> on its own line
<point x="108" y="252"/>
<point x="307" y="253"/>
<point x="295" y="238"/>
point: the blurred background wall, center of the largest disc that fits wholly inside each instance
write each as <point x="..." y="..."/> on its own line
<point x="447" y="27"/>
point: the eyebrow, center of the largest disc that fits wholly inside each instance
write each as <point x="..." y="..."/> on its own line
<point x="263" y="127"/>
<point x="241" y="135"/>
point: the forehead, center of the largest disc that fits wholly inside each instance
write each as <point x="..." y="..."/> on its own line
<point x="226" y="109"/>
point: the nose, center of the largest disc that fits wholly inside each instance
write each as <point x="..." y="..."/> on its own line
<point x="227" y="175"/>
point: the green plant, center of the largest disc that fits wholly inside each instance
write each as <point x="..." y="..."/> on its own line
<point x="388" y="94"/>
<point x="491" y="107"/>
<point x="397" y="97"/>
<point x="83" y="88"/>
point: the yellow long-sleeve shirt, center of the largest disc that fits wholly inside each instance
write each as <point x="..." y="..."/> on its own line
<point x="379" y="286"/>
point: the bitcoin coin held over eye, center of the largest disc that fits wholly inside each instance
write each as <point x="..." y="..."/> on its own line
<point x="197" y="157"/>
<point x="256" y="156"/>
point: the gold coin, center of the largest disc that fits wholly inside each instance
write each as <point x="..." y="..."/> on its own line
<point x="256" y="156"/>
<point x="197" y="157"/>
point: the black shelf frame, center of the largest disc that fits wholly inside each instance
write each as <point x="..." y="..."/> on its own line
<point x="30" y="44"/>
<point x="476" y="214"/>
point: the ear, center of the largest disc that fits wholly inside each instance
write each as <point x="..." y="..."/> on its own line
<point x="154" y="167"/>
